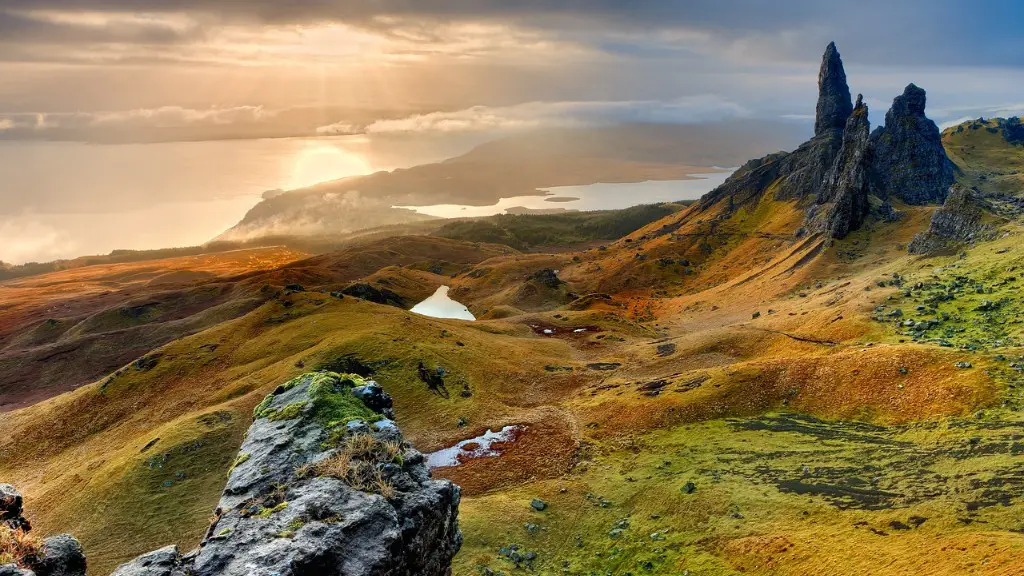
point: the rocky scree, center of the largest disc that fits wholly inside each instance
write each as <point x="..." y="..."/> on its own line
<point x="959" y="220"/>
<point x="324" y="484"/>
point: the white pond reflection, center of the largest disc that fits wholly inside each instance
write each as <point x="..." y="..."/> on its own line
<point x="480" y="447"/>
<point x="439" y="305"/>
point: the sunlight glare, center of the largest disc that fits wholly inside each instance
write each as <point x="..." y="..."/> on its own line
<point x="321" y="163"/>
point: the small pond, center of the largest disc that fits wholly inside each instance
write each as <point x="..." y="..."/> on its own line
<point x="439" y="305"/>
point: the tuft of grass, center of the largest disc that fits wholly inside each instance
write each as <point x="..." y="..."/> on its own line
<point x="357" y="463"/>
<point x="333" y="402"/>
<point x="18" y="547"/>
<point x="270" y="511"/>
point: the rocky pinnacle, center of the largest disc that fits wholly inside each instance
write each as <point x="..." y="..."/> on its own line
<point x="910" y="163"/>
<point x="834" y="104"/>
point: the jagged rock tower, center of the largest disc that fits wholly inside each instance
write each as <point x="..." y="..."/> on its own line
<point x="842" y="205"/>
<point x="834" y="105"/>
<point x="843" y="165"/>
<point x="910" y="162"/>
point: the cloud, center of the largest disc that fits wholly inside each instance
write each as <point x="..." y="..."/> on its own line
<point x="175" y="116"/>
<point x="534" y="115"/>
<point x="877" y="28"/>
<point x="26" y="239"/>
<point x="142" y="118"/>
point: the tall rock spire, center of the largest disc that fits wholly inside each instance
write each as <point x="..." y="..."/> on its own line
<point x="834" y="104"/>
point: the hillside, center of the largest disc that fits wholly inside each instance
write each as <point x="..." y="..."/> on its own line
<point x="518" y="165"/>
<point x="764" y="382"/>
<point x="990" y="155"/>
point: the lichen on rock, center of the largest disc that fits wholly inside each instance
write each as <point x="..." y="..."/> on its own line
<point x="291" y="506"/>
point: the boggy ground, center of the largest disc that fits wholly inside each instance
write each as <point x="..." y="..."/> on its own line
<point x="752" y="410"/>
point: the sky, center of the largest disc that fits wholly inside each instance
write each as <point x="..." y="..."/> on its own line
<point x="127" y="68"/>
<point x="225" y="75"/>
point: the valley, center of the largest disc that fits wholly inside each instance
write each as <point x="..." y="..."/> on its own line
<point x="764" y="381"/>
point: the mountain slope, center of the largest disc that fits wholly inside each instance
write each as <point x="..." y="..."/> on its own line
<point x="727" y="390"/>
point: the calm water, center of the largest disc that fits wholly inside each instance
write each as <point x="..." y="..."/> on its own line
<point x="63" y="199"/>
<point x="590" y="197"/>
<point x="440" y="305"/>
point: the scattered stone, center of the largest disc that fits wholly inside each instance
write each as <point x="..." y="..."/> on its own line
<point x="603" y="365"/>
<point x="667" y="349"/>
<point x="59" y="555"/>
<point x="538" y="505"/>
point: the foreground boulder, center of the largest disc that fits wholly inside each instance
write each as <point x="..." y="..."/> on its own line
<point x="21" y="555"/>
<point x="324" y="484"/>
<point x="909" y="160"/>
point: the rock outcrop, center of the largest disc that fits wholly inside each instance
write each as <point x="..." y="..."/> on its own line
<point x="910" y="162"/>
<point x="374" y="294"/>
<point x="959" y="220"/>
<point x="799" y="174"/>
<point x="324" y="484"/>
<point x="842" y="205"/>
<point x="834" y="105"/>
<point x="59" y="555"/>
<point x="845" y="173"/>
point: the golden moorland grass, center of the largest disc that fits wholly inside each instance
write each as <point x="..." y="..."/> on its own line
<point x="667" y="384"/>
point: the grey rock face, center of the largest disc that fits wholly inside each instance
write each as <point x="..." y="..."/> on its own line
<point x="834" y="104"/>
<point x="806" y="169"/>
<point x="910" y="162"/>
<point x="11" y="508"/>
<point x="799" y="174"/>
<point x="62" y="555"/>
<point x="13" y="570"/>
<point x="163" y="562"/>
<point x="843" y="203"/>
<point x="957" y="221"/>
<point x="289" y="507"/>
<point x="746" y="183"/>
<point x="848" y="172"/>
